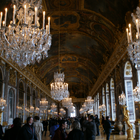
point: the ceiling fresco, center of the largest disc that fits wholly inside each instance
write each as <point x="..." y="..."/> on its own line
<point x="114" y="10"/>
<point x="89" y="30"/>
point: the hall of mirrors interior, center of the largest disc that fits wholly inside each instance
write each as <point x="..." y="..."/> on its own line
<point x="70" y="59"/>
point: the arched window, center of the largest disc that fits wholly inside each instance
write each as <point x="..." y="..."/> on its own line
<point x="11" y="104"/>
<point x="107" y="100"/>
<point x="129" y="90"/>
<point x="73" y="114"/>
<point x="28" y="97"/>
<point x="103" y="96"/>
<point x="21" y="94"/>
<point x="113" y="107"/>
<point x="34" y="99"/>
<point x="1" y="83"/>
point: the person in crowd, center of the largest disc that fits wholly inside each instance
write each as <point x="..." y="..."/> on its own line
<point x="28" y="131"/>
<point x="45" y="125"/>
<point x="97" y="122"/>
<point x="1" y="132"/>
<point x="76" y="133"/>
<point x="60" y="133"/>
<point x="53" y="128"/>
<point x="12" y="134"/>
<point x="50" y="123"/>
<point x="103" y="121"/>
<point x="38" y="127"/>
<point x="108" y="128"/>
<point x="90" y="132"/>
<point x="81" y="122"/>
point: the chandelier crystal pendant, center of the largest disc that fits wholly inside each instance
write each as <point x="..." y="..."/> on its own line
<point x="24" y="41"/>
<point x="59" y="89"/>
<point x="134" y="43"/>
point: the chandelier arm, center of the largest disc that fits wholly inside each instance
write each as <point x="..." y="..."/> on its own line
<point x="6" y="39"/>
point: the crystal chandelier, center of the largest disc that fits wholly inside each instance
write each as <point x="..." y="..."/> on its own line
<point x="122" y="99"/>
<point x="66" y="102"/>
<point x="37" y="110"/>
<point x="24" y="41"/>
<point x="71" y="109"/>
<point x="31" y="109"/>
<point x="102" y="107"/>
<point x="89" y="102"/>
<point x="136" y="93"/>
<point x="59" y="89"/>
<point x="53" y="107"/>
<point x="50" y="112"/>
<point x="62" y="111"/>
<point x="2" y="103"/>
<point x="90" y="111"/>
<point x="43" y="104"/>
<point x="134" y="44"/>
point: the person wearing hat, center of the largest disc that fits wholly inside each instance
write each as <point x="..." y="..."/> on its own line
<point x="90" y="132"/>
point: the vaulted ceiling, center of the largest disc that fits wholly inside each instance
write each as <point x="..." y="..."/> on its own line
<point x="88" y="30"/>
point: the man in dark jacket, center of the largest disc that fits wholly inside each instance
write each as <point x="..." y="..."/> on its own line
<point x="12" y="134"/>
<point x="108" y="128"/>
<point x="90" y="132"/>
<point x="97" y="124"/>
<point x="28" y="131"/>
<point x="60" y="133"/>
<point x="76" y="133"/>
<point x="45" y="125"/>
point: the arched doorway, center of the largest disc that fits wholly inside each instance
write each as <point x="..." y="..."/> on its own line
<point x="28" y="97"/>
<point x="34" y="104"/>
<point x="113" y="105"/>
<point x="129" y="90"/>
<point x="11" y="105"/>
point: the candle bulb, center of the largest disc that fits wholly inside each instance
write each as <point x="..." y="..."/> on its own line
<point x="35" y="15"/>
<point x="130" y="32"/>
<point x="25" y="14"/>
<point x="49" y="24"/>
<point x="127" y="34"/>
<point x="46" y="29"/>
<point x="43" y="19"/>
<point x="5" y="16"/>
<point x="137" y="25"/>
<point x="0" y="19"/>
<point x="14" y="12"/>
<point x="137" y="35"/>
<point x="3" y="23"/>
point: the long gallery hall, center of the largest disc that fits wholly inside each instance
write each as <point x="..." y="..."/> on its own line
<point x="69" y="69"/>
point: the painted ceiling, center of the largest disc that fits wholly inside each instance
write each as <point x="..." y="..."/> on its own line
<point x="88" y="31"/>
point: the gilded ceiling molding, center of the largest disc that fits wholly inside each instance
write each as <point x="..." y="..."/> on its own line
<point x="28" y="75"/>
<point x="117" y="55"/>
<point x="61" y="65"/>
